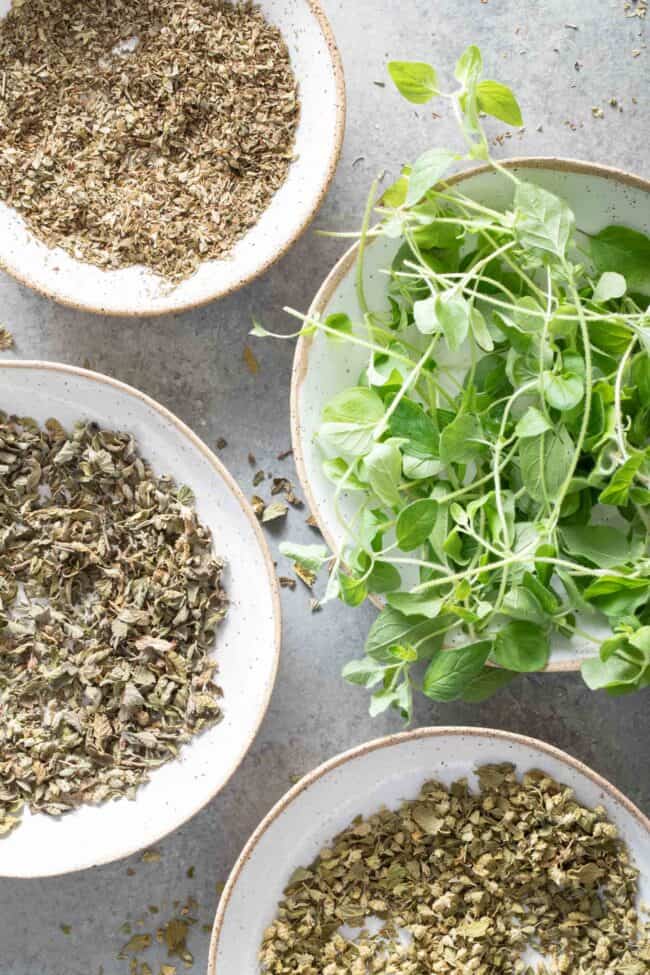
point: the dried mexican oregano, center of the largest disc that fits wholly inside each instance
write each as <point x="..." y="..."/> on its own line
<point x="462" y="882"/>
<point x="147" y="132"/>
<point x="110" y="595"/>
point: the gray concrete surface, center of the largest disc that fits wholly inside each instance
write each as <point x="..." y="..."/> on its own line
<point x="193" y="364"/>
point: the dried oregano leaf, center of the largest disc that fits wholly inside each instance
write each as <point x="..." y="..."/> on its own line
<point x="151" y="133"/>
<point x="465" y="882"/>
<point x="110" y="595"/>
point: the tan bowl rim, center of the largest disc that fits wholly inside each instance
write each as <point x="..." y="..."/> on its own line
<point x="342" y="268"/>
<point x="420" y="733"/>
<point x="224" y="475"/>
<point x="25" y="278"/>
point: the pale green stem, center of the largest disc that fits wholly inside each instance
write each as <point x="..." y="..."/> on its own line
<point x="584" y="426"/>
<point x="382" y="426"/>
<point x="354" y="339"/>
<point x="523" y="556"/>
<point x="361" y="294"/>
<point x="618" y="387"/>
<point x="496" y="465"/>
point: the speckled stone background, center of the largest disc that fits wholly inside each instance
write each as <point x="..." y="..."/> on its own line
<point x="564" y="58"/>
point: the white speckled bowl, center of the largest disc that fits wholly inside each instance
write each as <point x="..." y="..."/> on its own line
<point x="383" y="772"/>
<point x="136" y="291"/>
<point x="598" y="195"/>
<point x="247" y="643"/>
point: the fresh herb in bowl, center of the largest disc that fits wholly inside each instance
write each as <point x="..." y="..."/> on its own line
<point x="498" y="439"/>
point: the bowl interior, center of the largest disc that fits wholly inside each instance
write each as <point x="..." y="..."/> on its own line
<point x="135" y="290"/>
<point x="247" y="643"/>
<point x="322" y="367"/>
<point x="383" y="773"/>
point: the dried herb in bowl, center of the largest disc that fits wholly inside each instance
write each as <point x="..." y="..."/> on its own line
<point x="456" y="881"/>
<point x="149" y="132"/>
<point x="494" y="447"/>
<point x="110" y="596"/>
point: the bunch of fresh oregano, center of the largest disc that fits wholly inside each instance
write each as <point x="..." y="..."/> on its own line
<point x="507" y="501"/>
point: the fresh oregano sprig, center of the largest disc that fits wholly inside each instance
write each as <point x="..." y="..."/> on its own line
<point x="496" y="442"/>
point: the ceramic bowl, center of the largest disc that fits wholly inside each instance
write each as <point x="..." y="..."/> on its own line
<point x="599" y="196"/>
<point x="136" y="291"/>
<point x="247" y="644"/>
<point x="384" y="772"/>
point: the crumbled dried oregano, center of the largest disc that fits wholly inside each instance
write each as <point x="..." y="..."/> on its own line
<point x="152" y="132"/>
<point x="466" y="882"/>
<point x="172" y="935"/>
<point x="110" y="595"/>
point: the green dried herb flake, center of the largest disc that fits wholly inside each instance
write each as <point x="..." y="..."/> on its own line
<point x="151" y="133"/>
<point x="110" y="595"/>
<point x="457" y="881"/>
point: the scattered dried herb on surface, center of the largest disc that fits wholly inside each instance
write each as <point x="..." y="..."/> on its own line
<point x="110" y="595"/>
<point x="250" y="361"/>
<point x="636" y="8"/>
<point x="150" y="133"/>
<point x="6" y="339"/>
<point x="171" y="936"/>
<point x="274" y="511"/>
<point x="465" y="882"/>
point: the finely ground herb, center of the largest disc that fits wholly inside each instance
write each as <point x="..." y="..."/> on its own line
<point x="147" y="132"/>
<point x="110" y="595"/>
<point x="465" y="882"/>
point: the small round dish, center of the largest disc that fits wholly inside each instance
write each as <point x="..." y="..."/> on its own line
<point x="360" y="781"/>
<point x="598" y="195"/>
<point x="136" y="292"/>
<point x="247" y="643"/>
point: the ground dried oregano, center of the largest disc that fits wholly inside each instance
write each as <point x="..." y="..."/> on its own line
<point x="147" y="132"/>
<point x="457" y="881"/>
<point x="110" y="596"/>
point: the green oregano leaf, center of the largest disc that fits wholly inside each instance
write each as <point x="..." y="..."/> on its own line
<point x="532" y="424"/>
<point x="563" y="390"/>
<point x="488" y="682"/>
<point x="542" y="220"/>
<point x="610" y="285"/>
<point x="451" y="671"/>
<point x="623" y="250"/>
<point x="499" y="101"/>
<point x="427" y="172"/>
<point x="415" y="523"/>
<point x="522" y="647"/>
<point x="415" y="80"/>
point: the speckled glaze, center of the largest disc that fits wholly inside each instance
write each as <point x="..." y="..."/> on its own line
<point x="598" y="195"/>
<point x="247" y="643"/>
<point x="358" y="782"/>
<point x="135" y="291"/>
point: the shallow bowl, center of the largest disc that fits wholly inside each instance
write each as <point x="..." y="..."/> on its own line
<point x="138" y="292"/>
<point x="384" y="772"/>
<point x="598" y="195"/>
<point x="247" y="643"/>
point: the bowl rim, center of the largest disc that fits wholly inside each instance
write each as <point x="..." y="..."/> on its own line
<point x="231" y="484"/>
<point x="344" y="265"/>
<point x="386" y="742"/>
<point x="24" y="277"/>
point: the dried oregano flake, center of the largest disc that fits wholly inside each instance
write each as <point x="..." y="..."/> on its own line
<point x="110" y="596"/>
<point x="150" y="133"/>
<point x="457" y="881"/>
